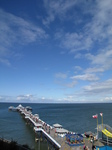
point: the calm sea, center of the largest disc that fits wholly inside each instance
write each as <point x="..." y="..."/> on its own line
<point x="73" y="117"/>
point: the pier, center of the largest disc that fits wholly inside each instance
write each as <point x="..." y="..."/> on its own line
<point x="55" y="134"/>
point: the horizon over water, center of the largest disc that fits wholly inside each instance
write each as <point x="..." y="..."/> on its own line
<point x="73" y="117"/>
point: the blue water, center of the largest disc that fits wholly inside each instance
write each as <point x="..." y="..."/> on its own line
<point x="73" y="117"/>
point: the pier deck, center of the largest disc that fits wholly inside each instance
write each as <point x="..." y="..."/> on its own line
<point x="49" y="132"/>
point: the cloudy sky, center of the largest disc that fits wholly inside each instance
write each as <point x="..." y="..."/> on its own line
<point x="56" y="51"/>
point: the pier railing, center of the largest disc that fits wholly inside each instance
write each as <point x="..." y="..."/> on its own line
<point x="53" y="136"/>
<point x="38" y="125"/>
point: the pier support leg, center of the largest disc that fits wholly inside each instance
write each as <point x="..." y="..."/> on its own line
<point x="39" y="144"/>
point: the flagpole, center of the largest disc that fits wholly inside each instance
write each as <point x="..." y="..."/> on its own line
<point x="102" y="121"/>
<point x="96" y="117"/>
<point x="97" y="126"/>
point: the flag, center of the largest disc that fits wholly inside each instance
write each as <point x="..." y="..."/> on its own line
<point x="101" y="114"/>
<point x="95" y="116"/>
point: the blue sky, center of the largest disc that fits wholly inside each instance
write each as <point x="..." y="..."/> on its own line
<point x="56" y="51"/>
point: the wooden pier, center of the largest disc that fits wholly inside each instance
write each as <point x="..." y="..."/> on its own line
<point x="49" y="132"/>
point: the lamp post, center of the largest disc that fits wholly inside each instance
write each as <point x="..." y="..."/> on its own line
<point x="101" y="114"/>
<point x="96" y="117"/>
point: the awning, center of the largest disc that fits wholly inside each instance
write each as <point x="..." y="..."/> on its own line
<point x="57" y="125"/>
<point x="61" y="130"/>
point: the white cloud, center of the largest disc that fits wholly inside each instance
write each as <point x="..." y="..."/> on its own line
<point x="14" y="28"/>
<point x="43" y="98"/>
<point x="70" y="85"/>
<point x="99" y="88"/>
<point x="76" y="41"/>
<point x="78" y="55"/>
<point x="28" y="97"/>
<point x="94" y="70"/>
<point x="102" y="61"/>
<point x="66" y="84"/>
<point x="85" y="77"/>
<point x="57" y="9"/>
<point x="5" y="61"/>
<point x="77" y="68"/>
<point x="62" y="80"/>
<point x="6" y="98"/>
<point x="93" y="93"/>
<point x="99" y="29"/>
<point x="17" y="30"/>
<point x="108" y="99"/>
<point x="61" y="75"/>
<point x="101" y="58"/>
<point x="101" y="20"/>
<point x="96" y="32"/>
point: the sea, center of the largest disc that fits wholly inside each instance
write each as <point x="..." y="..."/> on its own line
<point x="73" y="117"/>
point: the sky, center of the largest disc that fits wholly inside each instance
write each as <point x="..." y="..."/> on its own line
<point x="56" y="51"/>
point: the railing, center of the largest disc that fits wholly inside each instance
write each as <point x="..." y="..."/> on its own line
<point x="104" y="126"/>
